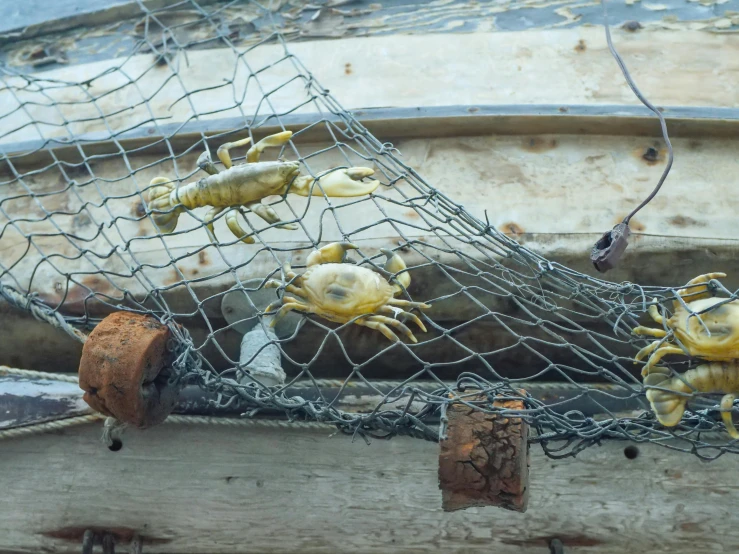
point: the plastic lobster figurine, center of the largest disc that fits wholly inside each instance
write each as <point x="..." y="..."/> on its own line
<point x="245" y="185"/>
<point x="712" y="336"/>
<point x="341" y="292"/>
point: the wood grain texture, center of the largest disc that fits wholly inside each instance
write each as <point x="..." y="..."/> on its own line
<point x="85" y="32"/>
<point x="561" y="66"/>
<point x="208" y="490"/>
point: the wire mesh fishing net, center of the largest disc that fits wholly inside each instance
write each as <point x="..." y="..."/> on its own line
<point x="79" y="242"/>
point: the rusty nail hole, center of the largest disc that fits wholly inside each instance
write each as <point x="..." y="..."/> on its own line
<point x="556" y="547"/>
<point x="632" y="26"/>
<point x="116" y="445"/>
<point x="651" y="154"/>
<point x="631" y="452"/>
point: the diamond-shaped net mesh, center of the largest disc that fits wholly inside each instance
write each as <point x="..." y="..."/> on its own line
<point x="79" y="241"/>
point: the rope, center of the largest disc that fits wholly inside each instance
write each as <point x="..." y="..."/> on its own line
<point x="31" y="374"/>
<point x="40" y="311"/>
<point x="323" y="383"/>
<point x="47" y="426"/>
<point x="113" y="429"/>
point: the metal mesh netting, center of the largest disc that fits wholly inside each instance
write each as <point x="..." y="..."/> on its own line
<point x="79" y="241"/>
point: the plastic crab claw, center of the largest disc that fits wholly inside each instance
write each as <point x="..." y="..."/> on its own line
<point x="340" y="183"/>
<point x="395" y="264"/>
<point x="330" y="254"/>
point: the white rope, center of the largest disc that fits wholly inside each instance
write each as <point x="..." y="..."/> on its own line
<point x="55" y="425"/>
<point x="40" y="311"/>
<point x="113" y="429"/>
<point x="328" y="383"/>
<point x="31" y="374"/>
<point x="236" y="422"/>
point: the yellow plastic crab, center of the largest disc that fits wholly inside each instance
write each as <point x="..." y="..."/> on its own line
<point x="693" y="331"/>
<point x="669" y="400"/>
<point x="246" y="185"/>
<point x="712" y="336"/>
<point x="341" y="292"/>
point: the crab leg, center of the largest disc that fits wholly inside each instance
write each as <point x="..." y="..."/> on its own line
<point x="413" y="317"/>
<point x="393" y="323"/>
<point x="236" y="228"/>
<point x="289" y="306"/>
<point x="654" y="313"/>
<point x="649" y="332"/>
<point x="288" y="303"/>
<point x="209" y="217"/>
<point x="407" y="303"/>
<point x="384" y="329"/>
<point x="727" y="404"/>
<point x="658" y="354"/>
<point x="289" y="288"/>
<point x="277" y="139"/>
<point x="646" y="350"/>
<point x="223" y="152"/>
<point x="396" y="265"/>
<point x="330" y="254"/>
<point x="269" y="215"/>
<point x="290" y="274"/>
<point x="698" y="293"/>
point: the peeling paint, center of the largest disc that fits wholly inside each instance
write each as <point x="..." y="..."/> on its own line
<point x="301" y="21"/>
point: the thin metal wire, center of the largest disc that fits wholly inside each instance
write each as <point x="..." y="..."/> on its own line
<point x="648" y="104"/>
<point x="81" y="243"/>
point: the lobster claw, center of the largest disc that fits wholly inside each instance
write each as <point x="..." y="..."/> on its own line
<point x="340" y="183"/>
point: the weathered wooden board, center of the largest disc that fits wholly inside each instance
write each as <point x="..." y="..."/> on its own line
<point x="564" y="66"/>
<point x="79" y="32"/>
<point x="191" y="489"/>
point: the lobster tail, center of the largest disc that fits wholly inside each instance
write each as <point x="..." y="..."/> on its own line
<point x="669" y="407"/>
<point x="163" y="214"/>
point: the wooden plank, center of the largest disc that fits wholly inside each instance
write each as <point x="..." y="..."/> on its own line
<point x="99" y="30"/>
<point x="297" y="490"/>
<point x="392" y="124"/>
<point x="543" y="67"/>
<point x="34" y="20"/>
<point x="29" y="399"/>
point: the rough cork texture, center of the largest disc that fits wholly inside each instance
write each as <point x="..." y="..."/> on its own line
<point x="484" y="460"/>
<point x="123" y="370"/>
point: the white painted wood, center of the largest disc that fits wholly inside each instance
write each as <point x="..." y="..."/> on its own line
<point x="222" y="491"/>
<point x="554" y="66"/>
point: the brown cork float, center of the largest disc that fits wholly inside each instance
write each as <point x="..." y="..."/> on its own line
<point x="484" y="460"/>
<point x="124" y="370"/>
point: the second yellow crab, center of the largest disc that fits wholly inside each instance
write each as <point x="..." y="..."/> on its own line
<point x="341" y="292"/>
<point x="713" y="335"/>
